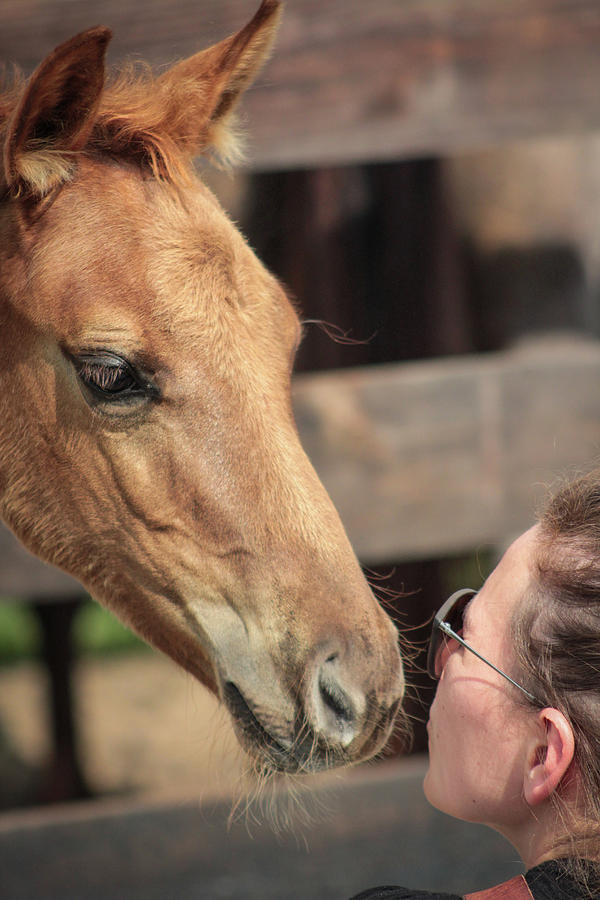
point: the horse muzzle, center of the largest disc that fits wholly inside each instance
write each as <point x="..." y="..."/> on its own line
<point x="335" y="722"/>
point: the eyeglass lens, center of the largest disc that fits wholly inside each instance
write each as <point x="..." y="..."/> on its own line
<point x="454" y="617"/>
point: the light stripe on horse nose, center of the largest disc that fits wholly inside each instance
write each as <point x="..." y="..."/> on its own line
<point x="334" y="706"/>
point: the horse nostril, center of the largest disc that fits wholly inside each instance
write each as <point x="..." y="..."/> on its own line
<point x="335" y="698"/>
<point x="346" y="711"/>
<point x="333" y="711"/>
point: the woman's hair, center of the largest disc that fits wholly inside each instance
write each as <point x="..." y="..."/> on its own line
<point x="557" y="637"/>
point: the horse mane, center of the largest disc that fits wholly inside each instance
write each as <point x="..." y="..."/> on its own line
<point x="143" y="119"/>
<point x="138" y="121"/>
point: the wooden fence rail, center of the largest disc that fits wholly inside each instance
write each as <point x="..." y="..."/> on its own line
<point x="378" y="829"/>
<point x="429" y="459"/>
<point x="352" y="80"/>
<point x="435" y="458"/>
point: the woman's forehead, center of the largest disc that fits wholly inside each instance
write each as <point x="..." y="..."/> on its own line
<point x="506" y="585"/>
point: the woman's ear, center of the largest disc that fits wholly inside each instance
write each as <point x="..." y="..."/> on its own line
<point x="550" y="756"/>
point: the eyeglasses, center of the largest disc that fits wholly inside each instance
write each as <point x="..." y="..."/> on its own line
<point x="448" y="623"/>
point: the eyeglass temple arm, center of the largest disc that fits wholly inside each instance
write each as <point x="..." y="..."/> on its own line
<point x="443" y="626"/>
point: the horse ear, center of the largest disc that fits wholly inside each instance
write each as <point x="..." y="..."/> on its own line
<point x="220" y="75"/>
<point x="55" y="115"/>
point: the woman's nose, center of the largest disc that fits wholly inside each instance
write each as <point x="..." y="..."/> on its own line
<point x="447" y="648"/>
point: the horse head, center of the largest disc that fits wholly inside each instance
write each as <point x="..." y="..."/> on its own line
<point x="147" y="441"/>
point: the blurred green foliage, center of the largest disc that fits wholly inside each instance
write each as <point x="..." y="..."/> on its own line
<point x="468" y="571"/>
<point x="19" y="633"/>
<point x="95" y="632"/>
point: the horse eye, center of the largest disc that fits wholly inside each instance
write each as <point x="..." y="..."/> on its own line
<point x="109" y="377"/>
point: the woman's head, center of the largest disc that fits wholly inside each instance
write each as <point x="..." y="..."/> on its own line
<point x="557" y="638"/>
<point x="478" y="719"/>
<point x="532" y="770"/>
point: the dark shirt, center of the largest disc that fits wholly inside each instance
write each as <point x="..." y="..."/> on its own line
<point x="548" y="881"/>
<point x="551" y="881"/>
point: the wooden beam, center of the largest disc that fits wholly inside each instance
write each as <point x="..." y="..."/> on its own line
<point x="360" y="81"/>
<point x="438" y="458"/>
<point x="142" y="850"/>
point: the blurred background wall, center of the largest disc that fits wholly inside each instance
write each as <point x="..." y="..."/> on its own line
<point x="424" y="177"/>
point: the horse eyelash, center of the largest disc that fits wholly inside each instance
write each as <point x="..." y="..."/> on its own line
<point x="103" y="376"/>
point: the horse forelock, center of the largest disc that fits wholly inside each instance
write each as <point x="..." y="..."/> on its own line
<point x="160" y="125"/>
<point x="140" y="120"/>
